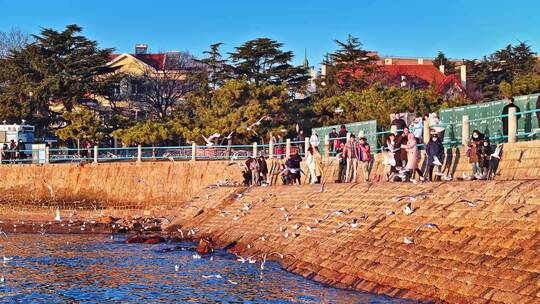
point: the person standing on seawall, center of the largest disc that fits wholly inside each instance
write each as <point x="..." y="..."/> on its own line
<point x="510" y="104"/>
<point x="472" y="153"/>
<point x="343" y="134"/>
<point x="364" y="157"/>
<point x="332" y="138"/>
<point x="434" y="148"/>
<point x="350" y="153"/>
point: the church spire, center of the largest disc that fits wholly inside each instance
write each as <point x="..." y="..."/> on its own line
<point x="306" y="62"/>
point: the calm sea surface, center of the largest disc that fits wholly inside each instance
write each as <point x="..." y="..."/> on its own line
<point x="98" y="269"/>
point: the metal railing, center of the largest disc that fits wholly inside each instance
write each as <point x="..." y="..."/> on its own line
<point x="239" y="152"/>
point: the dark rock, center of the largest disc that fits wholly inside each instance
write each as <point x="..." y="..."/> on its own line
<point x="136" y="239"/>
<point x="205" y="246"/>
<point x="154" y="240"/>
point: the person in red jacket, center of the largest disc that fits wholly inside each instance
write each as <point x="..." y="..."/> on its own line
<point x="364" y="157"/>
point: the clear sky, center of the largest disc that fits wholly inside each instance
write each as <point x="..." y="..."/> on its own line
<point x="460" y="28"/>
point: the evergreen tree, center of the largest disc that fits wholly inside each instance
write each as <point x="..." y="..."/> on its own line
<point x="56" y="73"/>
<point x="262" y="60"/>
<point x="217" y="68"/>
<point x="354" y="66"/>
<point x="449" y="66"/>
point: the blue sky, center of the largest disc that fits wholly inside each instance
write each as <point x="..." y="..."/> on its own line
<point x="460" y="28"/>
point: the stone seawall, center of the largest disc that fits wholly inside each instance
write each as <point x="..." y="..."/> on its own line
<point x="484" y="251"/>
<point x="117" y="188"/>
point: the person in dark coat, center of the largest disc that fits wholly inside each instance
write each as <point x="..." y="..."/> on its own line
<point x="509" y="105"/>
<point x="484" y="157"/>
<point x="332" y="138"/>
<point x="263" y="169"/>
<point x="293" y="164"/>
<point x="434" y="148"/>
<point x="343" y="134"/>
<point x="399" y="123"/>
<point x="342" y="163"/>
<point x="401" y="140"/>
<point x="20" y="150"/>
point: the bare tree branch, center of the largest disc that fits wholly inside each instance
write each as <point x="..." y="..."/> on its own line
<point x="13" y="40"/>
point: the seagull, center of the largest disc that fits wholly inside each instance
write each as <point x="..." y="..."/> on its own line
<point x="196" y="256"/>
<point x="498" y="150"/>
<point x="257" y="123"/>
<point x="217" y="276"/>
<point x="247" y="206"/>
<point x="263" y="262"/>
<point x="181" y="232"/>
<point x="427" y="225"/>
<point x="176" y="267"/>
<point x="408" y="240"/>
<point x="354" y="223"/>
<point x="472" y="203"/>
<point x="408" y="210"/>
<point x="281" y="229"/>
<point x="3" y="233"/>
<point x="296" y="226"/>
<point x="390" y="212"/>
<point x="230" y="135"/>
<point x="2" y="279"/>
<point x="208" y="140"/>
<point x="58" y="217"/>
<point x="308" y="205"/>
<point x="309" y="228"/>
<point x="232" y="282"/>
<point x="6" y="259"/>
<point x="286" y="216"/>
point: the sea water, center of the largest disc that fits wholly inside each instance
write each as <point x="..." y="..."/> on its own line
<point x="103" y="269"/>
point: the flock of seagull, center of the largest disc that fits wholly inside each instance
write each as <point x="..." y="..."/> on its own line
<point x="289" y="230"/>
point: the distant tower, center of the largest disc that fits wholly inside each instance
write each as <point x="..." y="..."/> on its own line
<point x="306" y="62"/>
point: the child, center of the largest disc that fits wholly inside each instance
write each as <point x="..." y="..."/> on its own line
<point x="342" y="163"/>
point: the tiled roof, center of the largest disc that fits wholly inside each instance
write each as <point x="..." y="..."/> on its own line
<point x="156" y="61"/>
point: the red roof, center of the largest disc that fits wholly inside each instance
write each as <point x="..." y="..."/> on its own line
<point x="156" y="61"/>
<point x="391" y="75"/>
<point x="426" y="72"/>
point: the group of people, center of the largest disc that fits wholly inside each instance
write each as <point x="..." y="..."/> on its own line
<point x="258" y="171"/>
<point x="255" y="171"/>
<point x="483" y="159"/>
<point x="351" y="156"/>
<point x="401" y="156"/>
<point x="13" y="152"/>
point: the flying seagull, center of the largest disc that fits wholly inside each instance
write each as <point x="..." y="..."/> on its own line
<point x="208" y="140"/>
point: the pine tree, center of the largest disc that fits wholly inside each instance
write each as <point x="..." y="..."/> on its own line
<point x="56" y="73"/>
<point x="449" y="66"/>
<point x="217" y="67"/>
<point x="355" y="67"/>
<point x="262" y="60"/>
